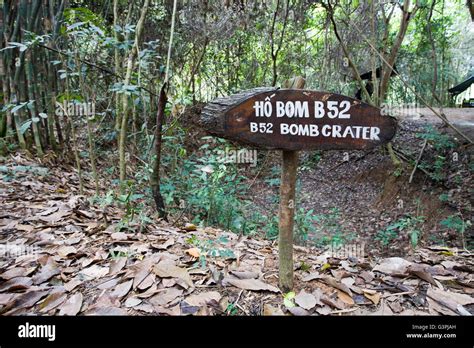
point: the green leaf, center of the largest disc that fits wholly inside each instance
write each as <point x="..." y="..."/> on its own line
<point x="288" y="299"/>
<point x="75" y="25"/>
<point x="18" y="107"/>
<point x="414" y="239"/>
<point x="24" y="127"/>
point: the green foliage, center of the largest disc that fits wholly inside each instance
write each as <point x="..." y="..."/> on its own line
<point x="211" y="60"/>
<point x="444" y="197"/>
<point x="398" y="171"/>
<point x="231" y="309"/>
<point x="133" y="203"/>
<point x="209" y="188"/>
<point x="438" y="140"/>
<point x="441" y="143"/>
<point x="455" y="223"/>
<point x="323" y="229"/>
<point x="273" y="179"/>
<point x="211" y="248"/>
<point x="304" y="224"/>
<point x="270" y="226"/>
<point x="76" y="17"/>
<point x="116" y="254"/>
<point x="311" y="161"/>
<point x="411" y="225"/>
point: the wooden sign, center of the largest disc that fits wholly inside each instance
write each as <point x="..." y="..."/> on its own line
<point x="291" y="120"/>
<point x="295" y="119"/>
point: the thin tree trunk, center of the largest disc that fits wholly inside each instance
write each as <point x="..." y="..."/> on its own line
<point x="123" y="128"/>
<point x="155" y="177"/>
<point x="434" y="81"/>
<point x="275" y="50"/>
<point x="117" y="67"/>
<point x="392" y="57"/>
<point x="330" y="12"/>
<point x="34" y="115"/>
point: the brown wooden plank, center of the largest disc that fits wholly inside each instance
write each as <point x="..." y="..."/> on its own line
<point x="233" y="116"/>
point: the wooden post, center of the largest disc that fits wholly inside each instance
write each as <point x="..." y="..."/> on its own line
<point x="287" y="206"/>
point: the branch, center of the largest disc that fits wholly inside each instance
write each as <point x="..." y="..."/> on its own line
<point x="95" y="66"/>
<point x="285" y="22"/>
<point x="329" y="9"/>
<point x="418" y="160"/>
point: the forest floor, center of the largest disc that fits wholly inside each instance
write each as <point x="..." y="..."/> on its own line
<point x="63" y="254"/>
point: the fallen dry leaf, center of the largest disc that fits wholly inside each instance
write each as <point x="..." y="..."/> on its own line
<point x="52" y="301"/>
<point x="421" y="272"/>
<point x="393" y="265"/>
<point x="203" y="298"/>
<point x="106" y="311"/>
<point x="26" y="300"/>
<point x="132" y="302"/>
<point x="372" y="296"/>
<point x="305" y="300"/>
<point x="165" y="297"/>
<point x="367" y="276"/>
<point x="122" y="289"/>
<point x="65" y="251"/>
<point x="167" y="269"/>
<point x="250" y="284"/>
<point x="169" y="242"/>
<point x="245" y="274"/>
<point x="298" y="311"/>
<point x="452" y="300"/>
<point x="335" y="284"/>
<point x="13" y="273"/>
<point x="194" y="252"/>
<point x="269" y="310"/>
<point x="72" y="306"/>
<point x="116" y="265"/>
<point x="119" y="236"/>
<point x="53" y="218"/>
<point x="15" y="284"/>
<point x="312" y="276"/>
<point x="144" y="307"/>
<point x="46" y="272"/>
<point x="108" y="284"/>
<point x="147" y="282"/>
<point x="72" y="284"/>
<point x="94" y="272"/>
<point x="345" y="298"/>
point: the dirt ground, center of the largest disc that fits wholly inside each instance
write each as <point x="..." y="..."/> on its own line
<point x="463" y="118"/>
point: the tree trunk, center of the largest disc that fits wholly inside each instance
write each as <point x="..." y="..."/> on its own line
<point x="123" y="128"/>
<point x="155" y="176"/>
